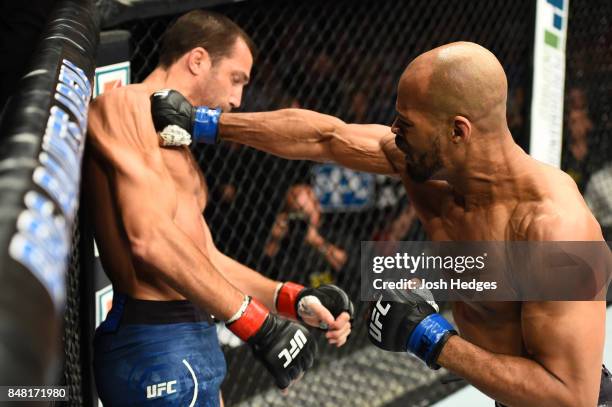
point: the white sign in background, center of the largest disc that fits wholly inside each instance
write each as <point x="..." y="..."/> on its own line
<point x="548" y="81"/>
<point x="111" y="76"/>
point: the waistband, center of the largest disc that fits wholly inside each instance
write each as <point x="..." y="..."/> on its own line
<point x="128" y="310"/>
<point x="161" y="312"/>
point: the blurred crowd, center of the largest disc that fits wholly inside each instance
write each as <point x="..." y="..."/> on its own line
<point x="587" y="157"/>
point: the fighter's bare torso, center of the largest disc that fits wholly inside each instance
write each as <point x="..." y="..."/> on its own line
<point x="536" y="191"/>
<point x="185" y="187"/>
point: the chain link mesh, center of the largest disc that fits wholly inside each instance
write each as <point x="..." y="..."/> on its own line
<point x="587" y="148"/>
<point x="72" y="326"/>
<point x="342" y="58"/>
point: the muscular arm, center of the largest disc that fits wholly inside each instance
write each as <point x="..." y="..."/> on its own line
<point x="299" y="134"/>
<point x="138" y="178"/>
<point x="244" y="278"/>
<point x="307" y="135"/>
<point x="564" y="341"/>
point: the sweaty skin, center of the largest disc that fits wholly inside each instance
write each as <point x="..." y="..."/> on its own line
<point x="146" y="202"/>
<point x="468" y="180"/>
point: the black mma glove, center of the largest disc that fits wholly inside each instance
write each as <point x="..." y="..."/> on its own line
<point x="177" y="121"/>
<point x="412" y="325"/>
<point x="285" y="348"/>
<point x="291" y="300"/>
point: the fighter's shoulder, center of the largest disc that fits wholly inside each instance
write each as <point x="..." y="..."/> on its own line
<point x="125" y="99"/>
<point x="122" y="115"/>
<point x="552" y="220"/>
<point x="554" y="209"/>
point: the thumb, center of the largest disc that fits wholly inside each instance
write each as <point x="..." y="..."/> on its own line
<point x="317" y="310"/>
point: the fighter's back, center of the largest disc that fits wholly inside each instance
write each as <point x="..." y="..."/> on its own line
<point x="121" y="141"/>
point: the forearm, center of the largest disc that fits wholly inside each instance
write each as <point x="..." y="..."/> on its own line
<point x="248" y="280"/>
<point x="511" y="380"/>
<point x="300" y="134"/>
<point x="171" y="255"/>
<point x="289" y="133"/>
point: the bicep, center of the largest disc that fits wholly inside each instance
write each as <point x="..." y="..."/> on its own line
<point x="361" y="147"/>
<point x="567" y="339"/>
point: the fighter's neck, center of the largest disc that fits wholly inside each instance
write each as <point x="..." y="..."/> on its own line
<point x="492" y="177"/>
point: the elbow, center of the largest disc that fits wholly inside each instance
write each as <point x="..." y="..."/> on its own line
<point x="586" y="400"/>
<point x="580" y="402"/>
<point x="140" y="247"/>
<point x="577" y="398"/>
<point x="142" y="243"/>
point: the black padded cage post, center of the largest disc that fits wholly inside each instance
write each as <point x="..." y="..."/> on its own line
<point x="43" y="134"/>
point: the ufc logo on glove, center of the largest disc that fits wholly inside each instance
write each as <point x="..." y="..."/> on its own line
<point x="375" y="324"/>
<point x="297" y="343"/>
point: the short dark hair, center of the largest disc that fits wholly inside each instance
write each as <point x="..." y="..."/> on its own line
<point x="214" y="32"/>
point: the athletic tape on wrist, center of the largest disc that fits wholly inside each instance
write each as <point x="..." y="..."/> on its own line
<point x="243" y="307"/>
<point x="427" y="338"/>
<point x="250" y="321"/>
<point x="275" y="300"/>
<point x="206" y="125"/>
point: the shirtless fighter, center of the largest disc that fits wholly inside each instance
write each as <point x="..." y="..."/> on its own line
<point x="468" y="180"/>
<point x="158" y="345"/>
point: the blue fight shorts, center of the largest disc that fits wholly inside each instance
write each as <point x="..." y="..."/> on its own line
<point x="157" y="353"/>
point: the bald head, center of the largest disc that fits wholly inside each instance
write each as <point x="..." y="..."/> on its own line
<point x="457" y="79"/>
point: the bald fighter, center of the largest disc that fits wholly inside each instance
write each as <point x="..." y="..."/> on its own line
<point x="468" y="180"/>
<point x="158" y="345"/>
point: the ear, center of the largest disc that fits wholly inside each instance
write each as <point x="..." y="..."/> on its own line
<point x="462" y="130"/>
<point x="198" y="61"/>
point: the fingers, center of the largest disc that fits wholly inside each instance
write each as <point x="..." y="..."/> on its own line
<point x="320" y="313"/>
<point x="342" y="320"/>
<point x="285" y="391"/>
<point x="339" y="330"/>
<point x="296" y="375"/>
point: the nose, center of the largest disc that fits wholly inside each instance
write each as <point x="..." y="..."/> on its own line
<point x="394" y="128"/>
<point x="235" y="99"/>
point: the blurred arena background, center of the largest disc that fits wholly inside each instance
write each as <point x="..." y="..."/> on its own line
<point x="303" y="221"/>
